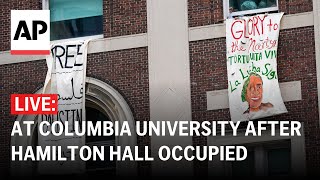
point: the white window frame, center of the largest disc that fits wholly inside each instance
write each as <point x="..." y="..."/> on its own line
<point x="297" y="145"/>
<point x="241" y="13"/>
<point x="45" y="6"/>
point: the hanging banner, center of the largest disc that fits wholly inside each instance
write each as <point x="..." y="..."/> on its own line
<point x="66" y="77"/>
<point x="253" y="86"/>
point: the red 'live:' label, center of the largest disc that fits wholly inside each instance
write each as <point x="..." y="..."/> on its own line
<point x="34" y="103"/>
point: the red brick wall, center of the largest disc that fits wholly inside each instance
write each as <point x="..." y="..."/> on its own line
<point x="124" y="17"/>
<point x="206" y="12"/>
<point x="126" y="71"/>
<point x="5" y="7"/>
<point x="296" y="62"/>
<point x="15" y="78"/>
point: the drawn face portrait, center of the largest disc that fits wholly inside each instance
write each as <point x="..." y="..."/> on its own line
<point x="254" y="93"/>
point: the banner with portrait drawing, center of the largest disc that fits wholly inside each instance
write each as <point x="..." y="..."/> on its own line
<point x="253" y="85"/>
<point x="66" y="77"/>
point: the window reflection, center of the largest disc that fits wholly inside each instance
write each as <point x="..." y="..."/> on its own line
<point x="75" y="18"/>
<point x="244" y="5"/>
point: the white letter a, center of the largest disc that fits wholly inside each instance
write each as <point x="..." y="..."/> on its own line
<point x="16" y="129"/>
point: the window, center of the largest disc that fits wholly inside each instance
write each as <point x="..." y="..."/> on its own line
<point x="279" y="161"/>
<point x="75" y="18"/>
<point x="267" y="155"/>
<point x="105" y="167"/>
<point x="263" y="159"/>
<point x="244" y="168"/>
<point x="245" y="7"/>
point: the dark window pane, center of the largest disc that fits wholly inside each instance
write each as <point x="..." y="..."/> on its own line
<point x="74" y="28"/>
<point x="99" y="166"/>
<point x="244" y="168"/>
<point x="105" y="165"/>
<point x="95" y="115"/>
<point x="279" y="161"/>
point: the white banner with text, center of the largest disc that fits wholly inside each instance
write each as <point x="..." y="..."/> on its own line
<point x="66" y="77"/>
<point x="253" y="86"/>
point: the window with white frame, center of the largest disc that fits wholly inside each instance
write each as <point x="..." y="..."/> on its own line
<point x="75" y="18"/>
<point x="245" y="7"/>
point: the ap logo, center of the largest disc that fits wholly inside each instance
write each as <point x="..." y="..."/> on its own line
<point x="30" y="32"/>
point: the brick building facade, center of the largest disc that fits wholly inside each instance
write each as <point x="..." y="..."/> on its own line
<point x="127" y="70"/>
